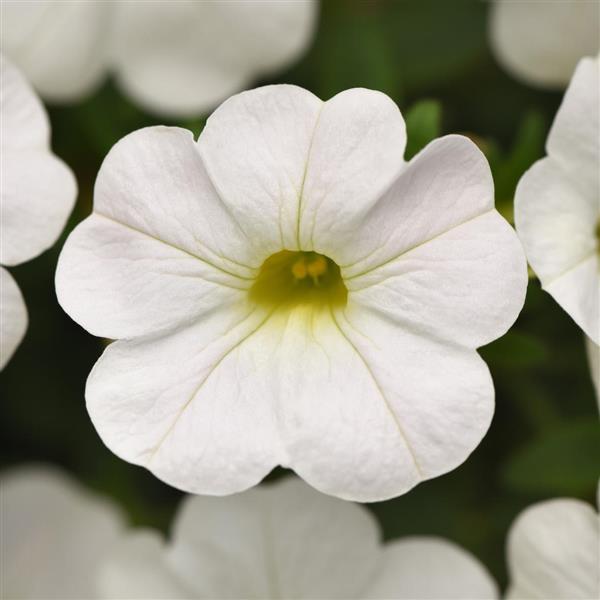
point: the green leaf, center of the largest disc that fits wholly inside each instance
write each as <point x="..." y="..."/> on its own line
<point x="423" y="124"/>
<point x="564" y="461"/>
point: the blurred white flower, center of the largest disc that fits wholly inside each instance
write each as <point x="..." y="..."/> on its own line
<point x="593" y="353"/>
<point x="554" y="552"/>
<point x="541" y="41"/>
<point x="54" y="535"/>
<point x="37" y="194"/>
<point x="289" y="291"/>
<point x="557" y="203"/>
<point x="284" y="540"/>
<point x="176" y="58"/>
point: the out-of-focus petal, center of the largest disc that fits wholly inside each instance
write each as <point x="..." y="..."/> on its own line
<point x="13" y="317"/>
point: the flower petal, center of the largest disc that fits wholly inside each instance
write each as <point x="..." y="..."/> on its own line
<point x="120" y="282"/>
<point x="390" y="425"/>
<point x="355" y="154"/>
<point x="13" y="317"/>
<point x="38" y="194"/>
<point x="593" y="353"/>
<point x="283" y="540"/>
<point x="555" y="220"/>
<point x="181" y="58"/>
<point x="136" y="569"/>
<point x="574" y="138"/>
<point x="445" y="185"/>
<point x="193" y="406"/>
<point x="60" y="46"/>
<point x="525" y="38"/>
<point x="554" y="552"/>
<point x="54" y="535"/>
<point x="165" y="249"/>
<point x="431" y="568"/>
<point x="465" y="286"/>
<point x="24" y="121"/>
<point x="255" y="147"/>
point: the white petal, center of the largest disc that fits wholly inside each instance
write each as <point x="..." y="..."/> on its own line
<point x="593" y="353"/>
<point x="574" y="138"/>
<point x="255" y="147"/>
<point x="556" y="221"/>
<point x="282" y="540"/>
<point x="60" y="46"/>
<point x="13" y="317"/>
<point x="376" y="433"/>
<point x="465" y="286"/>
<point x="422" y="568"/>
<point x="355" y="154"/>
<point x="119" y="282"/>
<point x="554" y="552"/>
<point x="24" y="121"/>
<point x="182" y="58"/>
<point x="445" y="185"/>
<point x="54" y="534"/>
<point x="164" y="247"/>
<point x="541" y="42"/>
<point x="38" y="190"/>
<point x="38" y="194"/>
<point x="136" y="569"/>
<point x="194" y="406"/>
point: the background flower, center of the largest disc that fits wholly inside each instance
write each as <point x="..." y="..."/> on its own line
<point x="55" y="535"/>
<point x="38" y="193"/>
<point x="557" y="204"/>
<point x="541" y="41"/>
<point x="175" y="58"/>
<point x="554" y="552"/>
<point x="285" y="540"/>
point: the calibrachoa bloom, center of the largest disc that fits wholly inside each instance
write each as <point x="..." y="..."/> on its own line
<point x="593" y="353"/>
<point x="37" y="194"/>
<point x="54" y="535"/>
<point x="284" y="540"/>
<point x="287" y="290"/>
<point x="554" y="552"/>
<point x="541" y="41"/>
<point x="175" y="58"/>
<point x="557" y="204"/>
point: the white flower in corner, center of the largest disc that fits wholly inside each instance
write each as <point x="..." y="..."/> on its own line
<point x="54" y="535"/>
<point x="287" y="290"/>
<point x="284" y="540"/>
<point x="554" y="552"/>
<point x="37" y="193"/>
<point x="175" y="58"/>
<point x="541" y="41"/>
<point x="557" y="204"/>
<point x="593" y="354"/>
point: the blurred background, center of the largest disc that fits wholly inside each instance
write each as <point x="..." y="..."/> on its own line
<point x="433" y="58"/>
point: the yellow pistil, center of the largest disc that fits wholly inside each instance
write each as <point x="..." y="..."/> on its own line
<point x="299" y="278"/>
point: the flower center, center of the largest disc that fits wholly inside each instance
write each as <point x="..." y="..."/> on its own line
<point x="299" y="278"/>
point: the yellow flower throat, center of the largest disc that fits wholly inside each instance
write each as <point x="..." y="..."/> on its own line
<point x="299" y="278"/>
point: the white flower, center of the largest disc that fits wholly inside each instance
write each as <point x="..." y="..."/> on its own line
<point x="554" y="552"/>
<point x="284" y="540"/>
<point x="37" y="194"/>
<point x="177" y="58"/>
<point x="54" y="535"/>
<point x="287" y="290"/>
<point x="557" y="204"/>
<point x="593" y="354"/>
<point x="541" y="41"/>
